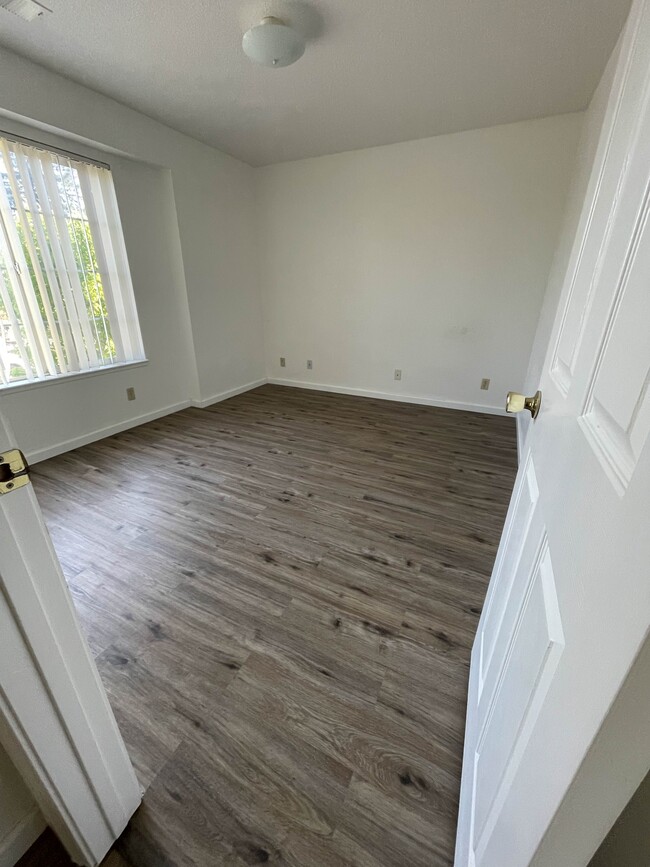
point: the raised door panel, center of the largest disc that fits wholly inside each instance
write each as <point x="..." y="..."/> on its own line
<point x="534" y="648"/>
<point x="616" y="412"/>
<point x="506" y="568"/>
<point x="592" y="239"/>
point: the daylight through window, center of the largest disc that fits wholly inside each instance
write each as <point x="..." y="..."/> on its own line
<point x="66" y="299"/>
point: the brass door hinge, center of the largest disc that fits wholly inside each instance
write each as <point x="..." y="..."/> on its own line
<point x="14" y="471"/>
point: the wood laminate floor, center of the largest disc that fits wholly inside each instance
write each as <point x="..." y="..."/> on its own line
<point x="281" y="592"/>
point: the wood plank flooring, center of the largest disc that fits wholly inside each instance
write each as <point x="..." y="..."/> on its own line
<point x="281" y="592"/>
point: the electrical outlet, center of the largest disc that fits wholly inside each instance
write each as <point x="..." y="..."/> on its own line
<point x="485" y="384"/>
<point x="130" y="393"/>
<point x="310" y="364"/>
<point x="398" y="373"/>
<point x="283" y="361"/>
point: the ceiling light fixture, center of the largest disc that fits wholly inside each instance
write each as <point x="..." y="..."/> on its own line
<point x="273" y="43"/>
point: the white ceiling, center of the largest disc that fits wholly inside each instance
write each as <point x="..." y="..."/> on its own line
<point x="375" y="71"/>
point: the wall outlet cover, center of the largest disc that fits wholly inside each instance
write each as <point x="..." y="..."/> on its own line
<point x="310" y="364"/>
<point x="398" y="373"/>
<point x="283" y="361"/>
<point x="130" y="393"/>
<point x="485" y="384"/>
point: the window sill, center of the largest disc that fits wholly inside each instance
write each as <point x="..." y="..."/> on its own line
<point x="68" y="377"/>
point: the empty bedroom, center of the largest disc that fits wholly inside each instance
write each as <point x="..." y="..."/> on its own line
<point x="324" y="412"/>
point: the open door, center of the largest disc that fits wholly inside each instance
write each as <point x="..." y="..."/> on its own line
<point x="55" y="719"/>
<point x="568" y="607"/>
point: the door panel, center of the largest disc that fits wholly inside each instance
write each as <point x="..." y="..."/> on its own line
<point x="602" y="197"/>
<point x="505" y="569"/>
<point x="533" y="654"/>
<point x="616" y="415"/>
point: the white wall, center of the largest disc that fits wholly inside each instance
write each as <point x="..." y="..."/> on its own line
<point x="430" y="256"/>
<point x="20" y="818"/>
<point x="189" y="227"/>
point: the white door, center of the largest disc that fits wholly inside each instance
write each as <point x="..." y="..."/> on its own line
<point x="55" y="720"/>
<point x="568" y="607"/>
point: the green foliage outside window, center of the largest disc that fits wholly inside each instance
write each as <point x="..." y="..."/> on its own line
<point x="89" y="278"/>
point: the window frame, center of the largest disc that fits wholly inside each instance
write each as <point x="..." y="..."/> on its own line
<point x="123" y="286"/>
<point x="61" y="378"/>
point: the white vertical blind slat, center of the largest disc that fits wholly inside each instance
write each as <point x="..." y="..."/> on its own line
<point x="59" y="264"/>
<point x="127" y="300"/>
<point x="81" y="296"/>
<point x="23" y="292"/>
<point x="67" y="252"/>
<point x="71" y="357"/>
<point x="103" y="327"/>
<point x="72" y="204"/>
<point x="38" y="274"/>
<point x="105" y="257"/>
<point x="15" y="325"/>
<point x="8" y="228"/>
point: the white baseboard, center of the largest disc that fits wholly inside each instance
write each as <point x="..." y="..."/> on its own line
<point x="385" y="395"/>
<point x="84" y="439"/>
<point x="75" y="442"/>
<point x="21" y="837"/>
<point x="224" y="395"/>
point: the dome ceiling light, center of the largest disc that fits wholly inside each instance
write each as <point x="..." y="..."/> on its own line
<point x="273" y="43"/>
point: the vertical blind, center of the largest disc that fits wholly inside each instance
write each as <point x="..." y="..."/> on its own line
<point x="66" y="298"/>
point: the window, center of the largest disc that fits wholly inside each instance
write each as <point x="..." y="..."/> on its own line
<point x="66" y="299"/>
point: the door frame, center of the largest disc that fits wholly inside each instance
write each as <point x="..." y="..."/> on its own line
<point x="611" y="772"/>
<point x="56" y="723"/>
